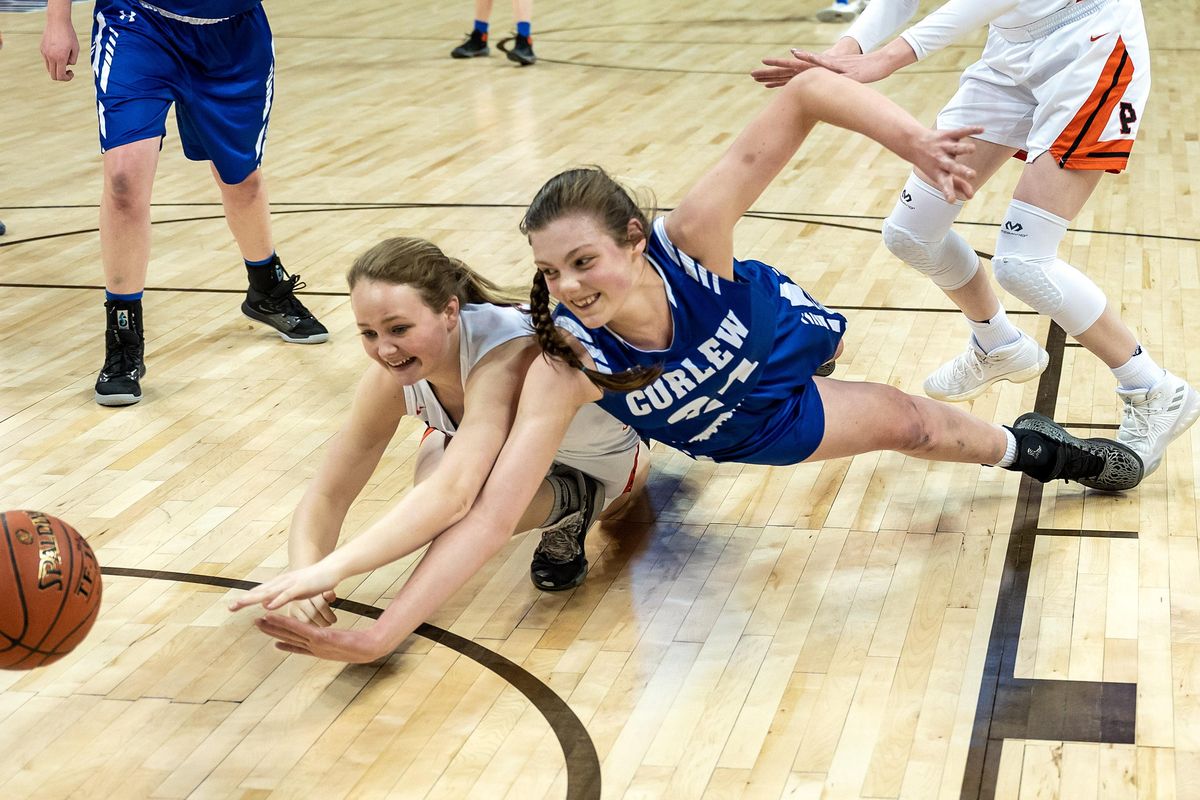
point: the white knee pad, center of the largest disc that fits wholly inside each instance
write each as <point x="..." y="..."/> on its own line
<point x="1026" y="266"/>
<point x="1052" y="287"/>
<point x="950" y="263"/>
<point x="918" y="233"/>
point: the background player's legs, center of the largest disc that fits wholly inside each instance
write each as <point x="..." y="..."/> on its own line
<point x="477" y="40"/>
<point x="125" y="254"/>
<point x="841" y="11"/>
<point x="1158" y="406"/>
<point x="918" y="231"/>
<point x="248" y="214"/>
<point x="125" y="215"/>
<point x="271" y="297"/>
<point x="522" y="47"/>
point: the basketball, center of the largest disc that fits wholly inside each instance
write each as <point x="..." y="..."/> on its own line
<point x="49" y="589"/>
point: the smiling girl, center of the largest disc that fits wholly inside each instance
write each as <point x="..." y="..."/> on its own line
<point x="661" y="326"/>
<point x="447" y="348"/>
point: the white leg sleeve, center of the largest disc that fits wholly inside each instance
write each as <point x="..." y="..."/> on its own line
<point x="918" y="233"/>
<point x="1027" y="266"/>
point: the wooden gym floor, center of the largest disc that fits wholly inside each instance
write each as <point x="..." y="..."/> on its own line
<point x="877" y="627"/>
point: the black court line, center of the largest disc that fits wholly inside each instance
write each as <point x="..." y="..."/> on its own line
<point x="804" y="217"/>
<point x="1024" y="708"/>
<point x="583" y="765"/>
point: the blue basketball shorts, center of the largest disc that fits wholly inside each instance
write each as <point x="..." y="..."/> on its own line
<point x="220" y="76"/>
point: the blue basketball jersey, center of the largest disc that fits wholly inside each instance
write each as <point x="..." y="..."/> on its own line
<point x="737" y="376"/>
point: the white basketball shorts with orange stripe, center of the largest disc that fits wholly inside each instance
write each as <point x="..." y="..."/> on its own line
<point x="1073" y="85"/>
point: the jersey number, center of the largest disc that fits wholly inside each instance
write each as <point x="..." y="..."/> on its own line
<point x="1127" y="116"/>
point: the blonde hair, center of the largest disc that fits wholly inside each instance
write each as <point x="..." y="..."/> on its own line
<point x="421" y="264"/>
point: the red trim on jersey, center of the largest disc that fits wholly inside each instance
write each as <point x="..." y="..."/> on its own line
<point x="637" y="451"/>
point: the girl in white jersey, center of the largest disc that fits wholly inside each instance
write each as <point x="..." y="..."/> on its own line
<point x="663" y="327"/>
<point x="448" y="349"/>
<point x="1061" y="84"/>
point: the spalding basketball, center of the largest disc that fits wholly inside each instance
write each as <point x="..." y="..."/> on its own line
<point x="49" y="589"/>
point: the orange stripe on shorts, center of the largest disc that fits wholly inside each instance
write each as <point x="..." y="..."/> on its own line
<point x="1079" y="145"/>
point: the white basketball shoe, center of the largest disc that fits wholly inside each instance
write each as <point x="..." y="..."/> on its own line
<point x="973" y="371"/>
<point x="842" y="12"/>
<point x="1154" y="417"/>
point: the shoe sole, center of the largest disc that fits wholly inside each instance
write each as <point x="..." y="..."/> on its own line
<point x="465" y="56"/>
<point x="1020" y="376"/>
<point x="316" y="338"/>
<point x="114" y="400"/>
<point x="832" y="15"/>
<point x="523" y="62"/>
<point x="1123" y="468"/>
<point x="1187" y="418"/>
<point x="576" y="581"/>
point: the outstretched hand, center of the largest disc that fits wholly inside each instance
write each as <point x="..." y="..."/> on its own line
<point x="936" y="154"/>
<point x="334" y="644"/>
<point x="310" y="581"/>
<point x="864" y="68"/>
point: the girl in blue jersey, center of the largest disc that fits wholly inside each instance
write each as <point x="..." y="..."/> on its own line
<point x="660" y="325"/>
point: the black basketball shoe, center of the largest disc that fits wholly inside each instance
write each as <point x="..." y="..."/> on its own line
<point x="522" y="51"/>
<point x="279" y="308"/>
<point x="475" y="46"/>
<point x="559" y="562"/>
<point x="1122" y="467"/>
<point x="826" y="369"/>
<point x="124" y="351"/>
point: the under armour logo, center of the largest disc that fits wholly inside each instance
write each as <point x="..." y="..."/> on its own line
<point x="1013" y="226"/>
<point x="123" y="319"/>
<point x="1032" y="452"/>
<point x="128" y="16"/>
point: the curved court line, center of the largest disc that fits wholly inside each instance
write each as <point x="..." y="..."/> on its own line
<point x="583" y="765"/>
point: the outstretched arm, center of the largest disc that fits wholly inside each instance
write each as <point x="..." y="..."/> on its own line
<point x="432" y="505"/>
<point x="552" y="395"/>
<point x="943" y="27"/>
<point x="702" y="224"/>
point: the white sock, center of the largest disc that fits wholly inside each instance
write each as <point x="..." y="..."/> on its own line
<point x="994" y="332"/>
<point x="1139" y="372"/>
<point x="1010" y="450"/>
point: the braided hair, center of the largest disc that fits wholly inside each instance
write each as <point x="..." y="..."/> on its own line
<point x="590" y="191"/>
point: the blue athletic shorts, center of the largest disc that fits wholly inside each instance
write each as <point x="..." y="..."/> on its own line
<point x="220" y="76"/>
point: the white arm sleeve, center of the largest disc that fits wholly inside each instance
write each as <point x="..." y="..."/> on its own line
<point x="951" y="22"/>
<point x="879" y="21"/>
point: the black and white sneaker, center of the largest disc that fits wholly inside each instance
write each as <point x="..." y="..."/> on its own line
<point x="559" y="562"/>
<point x="1046" y="451"/>
<point x="119" y="383"/>
<point x="522" y="51"/>
<point x="279" y="308"/>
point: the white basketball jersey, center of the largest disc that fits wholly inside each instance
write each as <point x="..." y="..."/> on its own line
<point x="595" y="443"/>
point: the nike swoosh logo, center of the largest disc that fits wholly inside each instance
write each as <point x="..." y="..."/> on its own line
<point x="1101" y="36"/>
